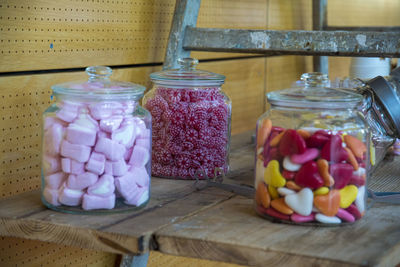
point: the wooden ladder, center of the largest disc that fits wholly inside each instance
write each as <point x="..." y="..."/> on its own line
<point x="321" y="42"/>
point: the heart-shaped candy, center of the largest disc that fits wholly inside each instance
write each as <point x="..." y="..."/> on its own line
<point x="290" y="165"/>
<point x="341" y="173"/>
<point x="354" y="211"/>
<point x="302" y="219"/>
<point x="345" y="215"/>
<point x="327" y="219"/>
<point x="352" y="159"/>
<point x="262" y="195"/>
<point x="333" y="150"/>
<point x="264" y="129"/>
<point x="360" y="199"/>
<point x="357" y="147"/>
<point x="318" y="139"/>
<point x="323" y="169"/>
<point x="309" y="154"/>
<point x="288" y="174"/>
<point x="273" y="192"/>
<point x="280" y="205"/>
<point x="308" y="176"/>
<point x="301" y="202"/>
<point x="321" y="191"/>
<point x="272" y="175"/>
<point x="292" y="143"/>
<point x="328" y="204"/>
<point x="347" y="196"/>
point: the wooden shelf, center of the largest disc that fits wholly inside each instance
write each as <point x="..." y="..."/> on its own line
<point x="215" y="224"/>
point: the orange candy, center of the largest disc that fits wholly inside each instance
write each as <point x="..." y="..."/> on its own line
<point x="275" y="141"/>
<point x="357" y="147"/>
<point x="303" y="133"/>
<point x="280" y="205"/>
<point x="328" y="204"/>
<point x="262" y="195"/>
<point x="352" y="159"/>
<point x="292" y="185"/>
<point x="323" y="169"/>
<point x="263" y="132"/>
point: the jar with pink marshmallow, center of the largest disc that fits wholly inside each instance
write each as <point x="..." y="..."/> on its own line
<point x="191" y="122"/>
<point x="96" y="146"/>
<point x="312" y="155"/>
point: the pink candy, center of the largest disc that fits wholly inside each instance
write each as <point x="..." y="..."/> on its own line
<point x="89" y="149"/>
<point x="190" y="131"/>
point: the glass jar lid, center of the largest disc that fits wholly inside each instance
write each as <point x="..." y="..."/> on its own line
<point x="187" y="75"/>
<point x="100" y="86"/>
<point x="315" y="93"/>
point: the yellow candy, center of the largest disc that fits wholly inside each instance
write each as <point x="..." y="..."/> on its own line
<point x="273" y="192"/>
<point x="347" y="195"/>
<point x="372" y="154"/>
<point x="321" y="191"/>
<point x="272" y="175"/>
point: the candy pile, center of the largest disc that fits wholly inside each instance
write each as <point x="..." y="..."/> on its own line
<point x="304" y="176"/>
<point x="94" y="152"/>
<point x="190" y="131"/>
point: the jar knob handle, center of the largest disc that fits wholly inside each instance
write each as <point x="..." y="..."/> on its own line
<point x="188" y="63"/>
<point x="98" y="73"/>
<point x="315" y="79"/>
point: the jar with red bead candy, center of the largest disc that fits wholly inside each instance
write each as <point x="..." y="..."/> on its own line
<point x="312" y="155"/>
<point x="191" y="122"/>
<point x="96" y="154"/>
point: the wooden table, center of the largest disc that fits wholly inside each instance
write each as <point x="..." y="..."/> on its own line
<point x="216" y="224"/>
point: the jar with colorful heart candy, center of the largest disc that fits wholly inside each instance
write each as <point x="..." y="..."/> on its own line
<point x="96" y="146"/>
<point x="191" y="122"/>
<point x="312" y="155"/>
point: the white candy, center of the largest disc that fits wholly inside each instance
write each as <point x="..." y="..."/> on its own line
<point x="360" y="201"/>
<point x="327" y="219"/>
<point x="360" y="172"/>
<point x="290" y="165"/>
<point x="301" y="202"/>
<point x="283" y="191"/>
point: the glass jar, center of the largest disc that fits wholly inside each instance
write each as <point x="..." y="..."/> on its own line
<point x="191" y="122"/>
<point x="96" y="146"/>
<point x="312" y="155"/>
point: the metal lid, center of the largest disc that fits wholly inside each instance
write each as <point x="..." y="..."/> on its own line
<point x="100" y="86"/>
<point x="387" y="99"/>
<point x="187" y="75"/>
<point x="315" y="93"/>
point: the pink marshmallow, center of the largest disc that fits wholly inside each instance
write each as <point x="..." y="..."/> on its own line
<point x="72" y="166"/>
<point x="119" y="167"/>
<point x="54" y="181"/>
<point x="49" y="121"/>
<point x="79" y="153"/>
<point x="80" y="135"/>
<point x="91" y="202"/>
<point x="101" y="134"/>
<point x="128" y="154"/>
<point x="111" y="124"/>
<point x="103" y="187"/>
<point x="145" y="134"/>
<point x="129" y="107"/>
<point x="82" y="181"/>
<point x="85" y="120"/>
<point x="69" y="111"/>
<point x="53" y="138"/>
<point x="110" y="148"/>
<point x="143" y="142"/>
<point x="108" y="167"/>
<point x="104" y="110"/>
<point x="142" y="178"/>
<point x="140" y="156"/>
<point x="70" y="197"/>
<point x="141" y="196"/>
<point x="124" y="135"/>
<point x="126" y="185"/>
<point x="96" y="163"/>
<point x="51" y="196"/>
<point x="51" y="164"/>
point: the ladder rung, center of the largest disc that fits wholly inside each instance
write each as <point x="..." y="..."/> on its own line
<point x="270" y="42"/>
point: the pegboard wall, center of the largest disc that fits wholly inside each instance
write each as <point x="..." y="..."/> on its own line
<point x="37" y="34"/>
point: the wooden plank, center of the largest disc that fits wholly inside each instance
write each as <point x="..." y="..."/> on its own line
<point x="232" y="232"/>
